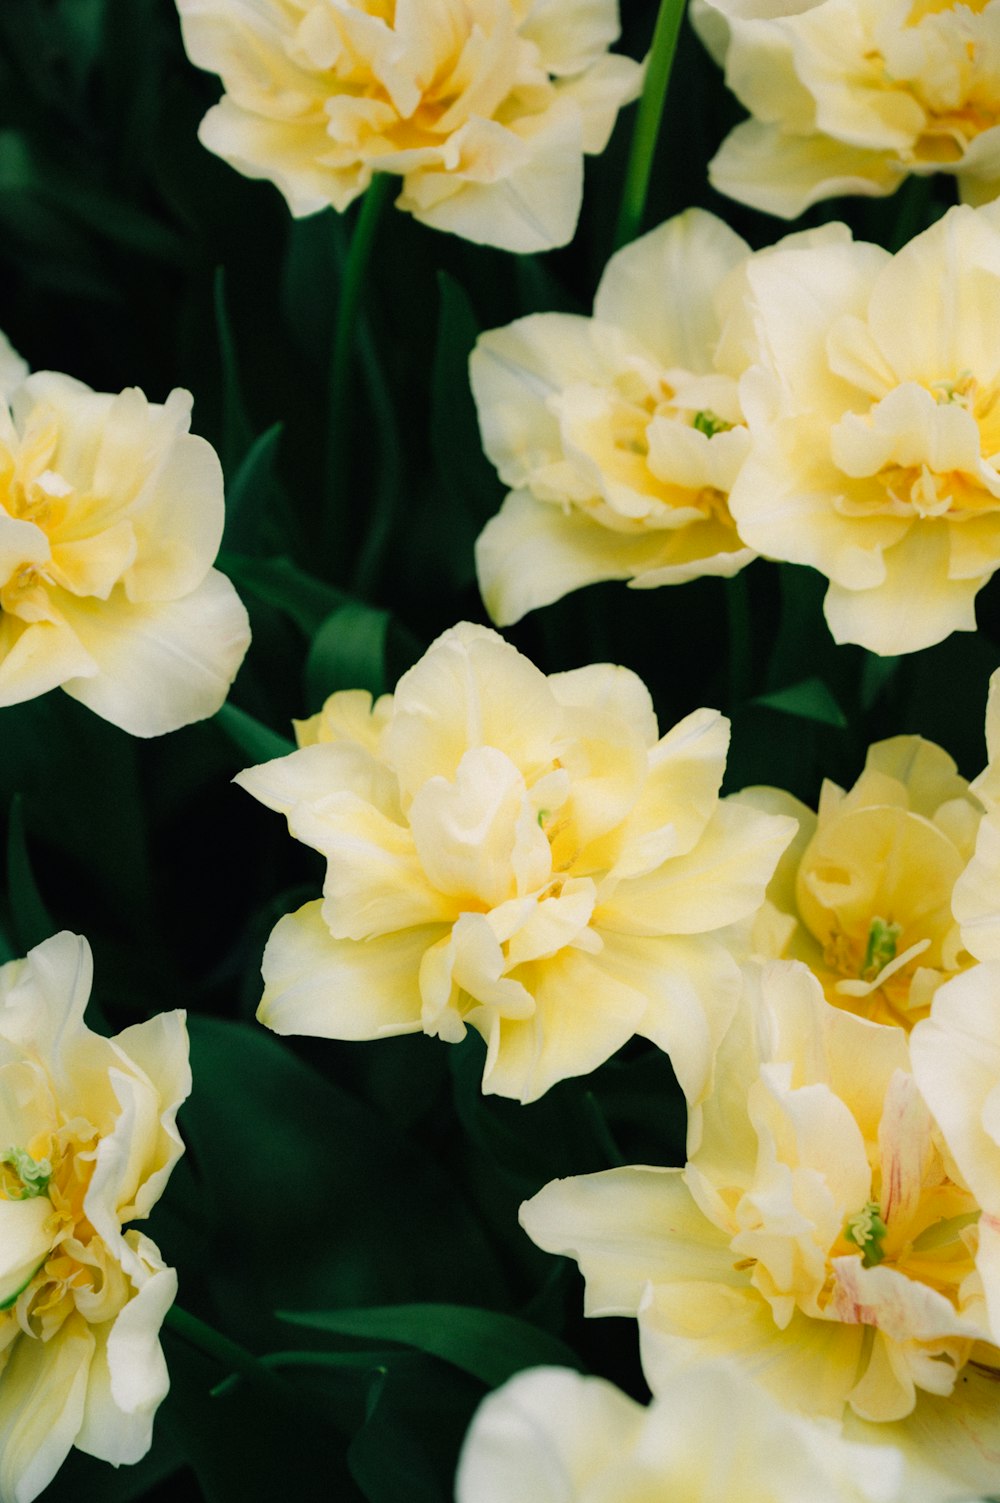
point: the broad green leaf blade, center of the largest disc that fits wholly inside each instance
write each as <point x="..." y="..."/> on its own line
<point x="252" y="487"/>
<point x="809" y="700"/>
<point x="279" y="582"/>
<point x="348" y="652"/>
<point x="258" y="741"/>
<point x="484" y="1343"/>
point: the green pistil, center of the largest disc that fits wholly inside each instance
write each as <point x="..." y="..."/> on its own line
<point x="866" y="1230"/>
<point x="710" y="423"/>
<point x="32" y="1175"/>
<point x="881" y="947"/>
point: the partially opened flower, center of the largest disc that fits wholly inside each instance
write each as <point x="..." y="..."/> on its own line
<point x="820" y="1237"/>
<point x="87" y="1142"/>
<point x="621" y="434"/>
<point x="111" y="515"/>
<point x="875" y="430"/>
<point x="484" y="108"/>
<point x="851" y="96"/>
<point x="553" y="1436"/>
<point x="522" y="854"/>
<point x="864" y="894"/>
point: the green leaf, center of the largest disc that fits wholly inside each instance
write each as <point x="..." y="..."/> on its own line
<point x="487" y="1345"/>
<point x="250" y="491"/>
<point x="32" y="921"/>
<point x="348" y="652"/>
<point x="258" y="741"/>
<point x="808" y="700"/>
<point x="306" y="599"/>
<point x="876" y="675"/>
<point x="418" y="1413"/>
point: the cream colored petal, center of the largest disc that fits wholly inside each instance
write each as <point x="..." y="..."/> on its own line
<point x="598" y="94"/>
<point x="12" y="368"/>
<point x="916" y="606"/>
<point x="953" y="268"/>
<point x="546" y="1435"/>
<point x="515" y="370"/>
<point x="39" y="657"/>
<point x="128" y="1376"/>
<point x="582" y="1015"/>
<point x="471" y="688"/>
<point x="26" y="1231"/>
<point x="533" y="553"/>
<point x="956" y="1062"/>
<point x="162" y="665"/>
<point x="607" y="689"/>
<point x="760" y="165"/>
<point x="679" y="796"/>
<point x="692" y="988"/>
<point x="572" y="36"/>
<point x="810" y="1366"/>
<point x="178" y="523"/>
<point x="287" y="153"/>
<point x="42" y="1399"/>
<point x="43" y="998"/>
<point x="976" y="896"/>
<point x="533" y="207"/>
<point x="20" y="543"/>
<point x="314" y="774"/>
<point x="722" y="879"/>
<point x="661" y="289"/>
<point x="341" y="988"/>
<point x="159" y="1047"/>
<point x="628" y="1228"/>
<point x="927" y="771"/>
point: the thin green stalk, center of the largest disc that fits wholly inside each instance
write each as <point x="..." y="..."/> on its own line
<point x="344" y="344"/>
<point x="228" y="1354"/>
<point x="647" y="120"/>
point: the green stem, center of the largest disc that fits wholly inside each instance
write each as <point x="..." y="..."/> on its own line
<point x="228" y="1354"/>
<point x="339" y="420"/>
<point x="647" y="121"/>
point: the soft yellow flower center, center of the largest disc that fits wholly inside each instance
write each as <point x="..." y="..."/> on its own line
<point x="866" y="1230"/>
<point x="60" y="1166"/>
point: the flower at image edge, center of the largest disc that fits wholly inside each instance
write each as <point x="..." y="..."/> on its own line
<point x="111" y="514"/>
<point x="88" y="1143"/>
<point x="484" y="108"/>
<point x="517" y="853"/>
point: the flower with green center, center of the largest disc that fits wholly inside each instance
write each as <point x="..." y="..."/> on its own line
<point x="91" y="1124"/>
<point x="820" y="1236"/>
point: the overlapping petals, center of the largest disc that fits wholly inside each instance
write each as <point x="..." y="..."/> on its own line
<point x="620" y="435"/>
<point x="484" y="108"/>
<point x="851" y="96"/>
<point x="864" y="894"/>
<point x="111" y="515"/>
<point x="89" y="1137"/>
<point x="553" y="1436"/>
<point x="820" y="1236"/>
<point x="874" y="433"/>
<point x="518" y="853"/>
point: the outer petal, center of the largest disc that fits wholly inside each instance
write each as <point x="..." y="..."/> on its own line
<point x="42" y="1399"/>
<point x="349" y="989"/>
<point x="976" y="897"/>
<point x="12" y="368"/>
<point x="161" y="665"/>
<point x="661" y="289"/>
<point x="916" y="605"/>
<point x="628" y="1228"/>
<point x="758" y="164"/>
<point x="545" y="1435"/>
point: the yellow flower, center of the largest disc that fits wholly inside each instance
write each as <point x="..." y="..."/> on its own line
<point x="864" y="894"/>
<point x="88" y="1142"/>
<point x="876" y="433"/>
<point x="851" y="96"/>
<point x="621" y="434"/>
<point x="820" y="1236"/>
<point x="550" y="1435"/>
<point x="485" y="108"/>
<point x="977" y="892"/>
<point x="521" y="854"/>
<point x="111" y="513"/>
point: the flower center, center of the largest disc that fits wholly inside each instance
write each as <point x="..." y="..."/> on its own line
<point x="21" y="1176"/>
<point x="866" y="1230"/>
